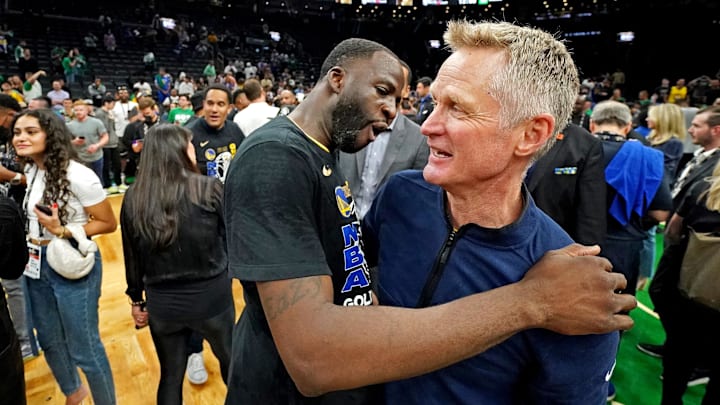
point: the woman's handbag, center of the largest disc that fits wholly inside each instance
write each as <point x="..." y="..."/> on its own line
<point x="700" y="270"/>
<point x="69" y="262"/>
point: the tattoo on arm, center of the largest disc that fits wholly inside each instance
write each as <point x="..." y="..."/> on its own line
<point x="297" y="289"/>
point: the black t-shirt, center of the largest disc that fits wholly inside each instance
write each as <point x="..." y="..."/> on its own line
<point x="289" y="214"/>
<point x="217" y="147"/>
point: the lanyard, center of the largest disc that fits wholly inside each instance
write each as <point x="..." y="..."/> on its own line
<point x="26" y="200"/>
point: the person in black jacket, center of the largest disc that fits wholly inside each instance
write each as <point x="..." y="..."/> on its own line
<point x="13" y="257"/>
<point x="568" y="182"/>
<point x="174" y="244"/>
<point x="692" y="341"/>
<point x="134" y="134"/>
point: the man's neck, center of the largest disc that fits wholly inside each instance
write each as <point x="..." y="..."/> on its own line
<point x="608" y="130"/>
<point x="313" y="126"/>
<point x="490" y="212"/>
<point x="491" y="205"/>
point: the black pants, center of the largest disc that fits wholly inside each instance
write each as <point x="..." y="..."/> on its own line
<point x="131" y="166"/>
<point x="692" y="341"/>
<point x="195" y="343"/>
<point x="111" y="165"/>
<point x="171" y="342"/>
<point x="12" y="388"/>
<point x="625" y="258"/>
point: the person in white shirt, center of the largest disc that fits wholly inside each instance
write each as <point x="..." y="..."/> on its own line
<point x="258" y="113"/>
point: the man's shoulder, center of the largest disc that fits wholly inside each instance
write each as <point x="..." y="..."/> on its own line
<point x="232" y="128"/>
<point x="407" y="125"/>
<point x="135" y="126"/>
<point x="94" y="120"/>
<point x="409" y="179"/>
<point x="278" y="130"/>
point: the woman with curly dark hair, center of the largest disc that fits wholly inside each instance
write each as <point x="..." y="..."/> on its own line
<point x="65" y="311"/>
<point x="174" y="244"/>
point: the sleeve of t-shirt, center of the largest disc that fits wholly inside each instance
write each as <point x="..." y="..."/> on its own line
<point x="571" y="369"/>
<point x="271" y="226"/>
<point x="85" y="185"/>
<point x="663" y="198"/>
<point x="100" y="128"/>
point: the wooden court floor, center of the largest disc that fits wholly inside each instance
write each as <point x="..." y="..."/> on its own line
<point x="134" y="364"/>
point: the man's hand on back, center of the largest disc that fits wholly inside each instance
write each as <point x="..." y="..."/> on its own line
<point x="575" y="292"/>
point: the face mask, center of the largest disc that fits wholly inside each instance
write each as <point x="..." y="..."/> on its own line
<point x="149" y="120"/>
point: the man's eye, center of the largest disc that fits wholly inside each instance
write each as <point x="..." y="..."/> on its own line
<point x="382" y="91"/>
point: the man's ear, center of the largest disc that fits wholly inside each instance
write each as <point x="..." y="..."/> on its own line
<point x="626" y="129"/>
<point x="535" y="134"/>
<point x="336" y="78"/>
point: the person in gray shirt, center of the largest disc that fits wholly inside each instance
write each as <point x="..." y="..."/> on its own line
<point x="89" y="137"/>
<point x="111" y="153"/>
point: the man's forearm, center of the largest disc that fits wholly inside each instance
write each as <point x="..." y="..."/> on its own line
<point x="327" y="347"/>
<point x="380" y="343"/>
<point x="6" y="174"/>
<point x="104" y="138"/>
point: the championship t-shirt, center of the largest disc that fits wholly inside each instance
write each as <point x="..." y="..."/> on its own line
<point x="215" y="148"/>
<point x="289" y="214"/>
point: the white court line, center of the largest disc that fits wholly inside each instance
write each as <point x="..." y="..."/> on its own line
<point x="648" y="310"/>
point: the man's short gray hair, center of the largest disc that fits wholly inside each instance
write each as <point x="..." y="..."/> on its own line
<point x="538" y="77"/>
<point x="611" y="112"/>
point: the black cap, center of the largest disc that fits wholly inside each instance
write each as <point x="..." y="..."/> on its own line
<point x="9" y="102"/>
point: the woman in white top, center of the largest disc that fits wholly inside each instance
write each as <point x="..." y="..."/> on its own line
<point x="65" y="312"/>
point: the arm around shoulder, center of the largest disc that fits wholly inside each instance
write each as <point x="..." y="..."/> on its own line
<point x="327" y="347"/>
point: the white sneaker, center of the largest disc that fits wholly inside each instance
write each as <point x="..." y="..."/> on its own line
<point x="196" y="372"/>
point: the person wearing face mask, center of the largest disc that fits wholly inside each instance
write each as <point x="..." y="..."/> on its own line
<point x="135" y="133"/>
<point x="12" y="181"/>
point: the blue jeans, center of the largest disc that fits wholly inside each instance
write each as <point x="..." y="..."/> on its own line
<point x="97" y="167"/>
<point x="65" y="313"/>
<point x="647" y="254"/>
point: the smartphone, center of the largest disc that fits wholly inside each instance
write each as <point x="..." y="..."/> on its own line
<point x="44" y="209"/>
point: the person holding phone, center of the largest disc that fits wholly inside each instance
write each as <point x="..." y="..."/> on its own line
<point x="174" y="247"/>
<point x="132" y="139"/>
<point x="65" y="312"/>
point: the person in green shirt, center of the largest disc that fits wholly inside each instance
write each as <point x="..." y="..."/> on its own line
<point x="182" y="113"/>
<point x="68" y="63"/>
<point x="209" y="72"/>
